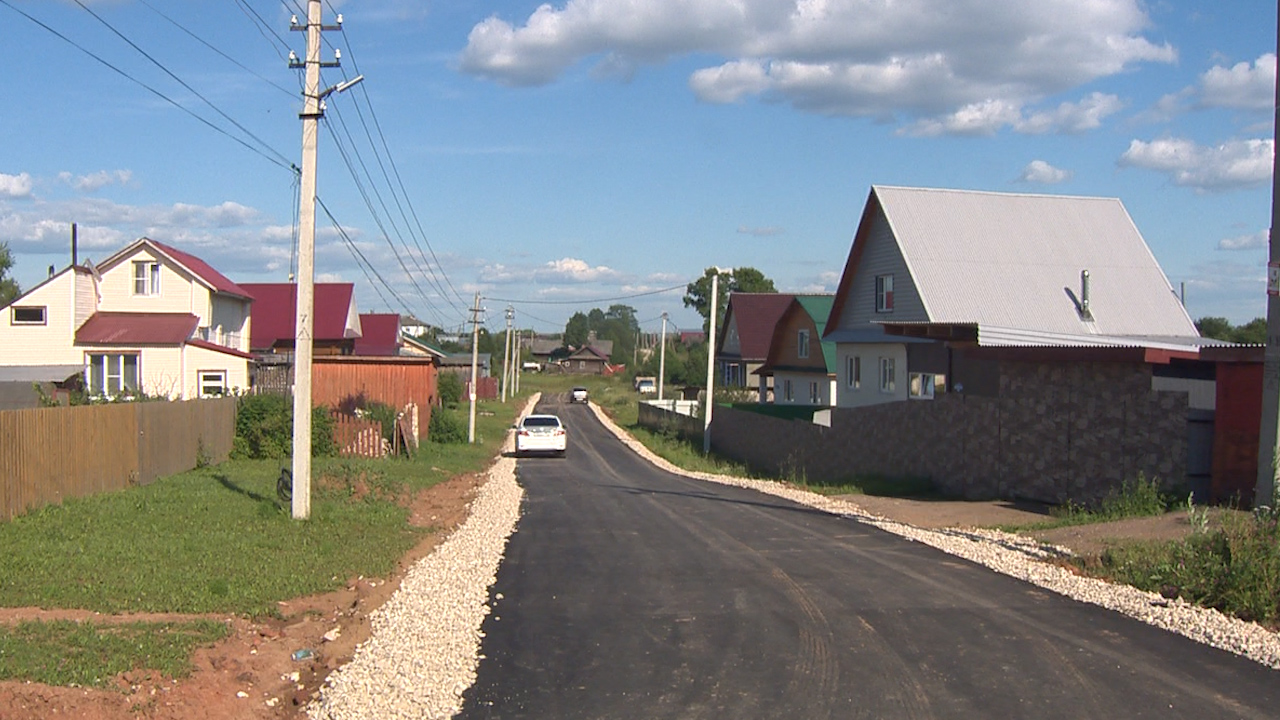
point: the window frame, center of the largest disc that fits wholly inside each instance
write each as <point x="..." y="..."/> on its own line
<point x="146" y="278"/>
<point x="888" y="375"/>
<point x="786" y="390"/>
<point x="802" y="344"/>
<point x="103" y="369"/>
<point x="44" y="315"/>
<point x="884" y="293"/>
<point x="815" y="393"/>
<point x="853" y="372"/>
<point x="921" y="386"/>
<point x="203" y="376"/>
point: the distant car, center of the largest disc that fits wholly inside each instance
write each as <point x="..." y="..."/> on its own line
<point x="541" y="434"/>
<point x="578" y="395"/>
<point x="646" y="386"/>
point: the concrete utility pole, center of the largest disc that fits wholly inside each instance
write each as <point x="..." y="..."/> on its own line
<point x="662" y="356"/>
<point x="506" y="355"/>
<point x="711" y="362"/>
<point x="518" y="363"/>
<point x="1269" y="435"/>
<point x="312" y="111"/>
<point x="475" y="360"/>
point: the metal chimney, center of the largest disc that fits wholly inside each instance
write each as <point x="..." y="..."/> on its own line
<point x="1084" y="296"/>
<point x="75" y="260"/>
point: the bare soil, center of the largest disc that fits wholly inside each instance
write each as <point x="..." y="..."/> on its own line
<point x="251" y="675"/>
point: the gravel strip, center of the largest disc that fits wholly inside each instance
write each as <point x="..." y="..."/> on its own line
<point x="1023" y="558"/>
<point x="424" y="647"/>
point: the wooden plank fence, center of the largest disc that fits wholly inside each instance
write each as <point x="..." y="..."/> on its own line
<point x="50" y="454"/>
<point x="358" y="437"/>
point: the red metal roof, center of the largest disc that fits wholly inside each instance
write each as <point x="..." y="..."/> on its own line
<point x="756" y="315"/>
<point x="197" y="342"/>
<point x="379" y="334"/>
<point x="119" y="328"/>
<point x="202" y="269"/>
<point x="276" y="306"/>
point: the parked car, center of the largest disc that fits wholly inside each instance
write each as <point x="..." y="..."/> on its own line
<point x="578" y="395"/>
<point x="541" y="434"/>
<point x="646" y="385"/>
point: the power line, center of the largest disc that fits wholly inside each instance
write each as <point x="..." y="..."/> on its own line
<point x="181" y="82"/>
<point x="586" y="302"/>
<point x="284" y="164"/>
<point x="202" y="41"/>
<point x="264" y="28"/>
<point x="361" y="260"/>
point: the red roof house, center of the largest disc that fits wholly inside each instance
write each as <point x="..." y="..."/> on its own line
<point x="337" y="321"/>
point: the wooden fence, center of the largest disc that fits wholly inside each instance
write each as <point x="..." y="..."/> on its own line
<point x="50" y="454"/>
<point x="358" y="437"/>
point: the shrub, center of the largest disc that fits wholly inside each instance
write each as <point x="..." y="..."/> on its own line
<point x="450" y="387"/>
<point x="446" y="427"/>
<point x="264" y="429"/>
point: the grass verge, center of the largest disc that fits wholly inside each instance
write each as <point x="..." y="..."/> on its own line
<point x="1138" y="497"/>
<point x="89" y="654"/>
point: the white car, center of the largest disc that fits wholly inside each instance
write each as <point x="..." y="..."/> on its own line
<point x="541" y="434"/>
<point x="578" y="395"/>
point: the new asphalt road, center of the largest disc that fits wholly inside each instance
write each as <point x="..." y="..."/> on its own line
<point x="629" y="592"/>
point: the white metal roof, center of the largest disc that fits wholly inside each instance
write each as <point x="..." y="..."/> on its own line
<point x="1014" y="261"/>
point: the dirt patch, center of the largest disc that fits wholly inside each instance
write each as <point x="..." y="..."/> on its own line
<point x="251" y="675"/>
<point x="1085" y="540"/>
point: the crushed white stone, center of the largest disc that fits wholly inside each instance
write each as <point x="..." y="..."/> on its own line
<point x="1023" y="558"/>
<point x="424" y="647"/>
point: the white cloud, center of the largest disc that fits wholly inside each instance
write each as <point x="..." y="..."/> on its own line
<point x="15" y="186"/>
<point x="1039" y="171"/>
<point x="1253" y="241"/>
<point x="569" y="270"/>
<point x="97" y="180"/>
<point x="1072" y="117"/>
<point x="1231" y="165"/>
<point x="985" y="118"/>
<point x="1241" y="86"/>
<point x="972" y="62"/>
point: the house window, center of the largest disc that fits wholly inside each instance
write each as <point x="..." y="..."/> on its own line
<point x="111" y="374"/>
<point x="921" y="386"/>
<point x="884" y="293"/>
<point x="853" y="371"/>
<point x="146" y="278"/>
<point x="29" y="315"/>
<point x="786" y="391"/>
<point x="814" y="397"/>
<point x="888" y="378"/>
<point x="213" y="383"/>
<point x="802" y="344"/>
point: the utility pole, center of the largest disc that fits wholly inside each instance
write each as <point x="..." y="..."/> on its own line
<point x="506" y="355"/>
<point x="1269" y="435"/>
<point x="304" y="325"/>
<point x="662" y="356"/>
<point x="518" y="363"/>
<point x="475" y="358"/>
<point x="711" y="363"/>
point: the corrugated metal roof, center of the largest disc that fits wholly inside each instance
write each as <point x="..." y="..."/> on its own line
<point x="756" y="315"/>
<point x="274" y="313"/>
<point x="124" y="328"/>
<point x="1014" y="261"/>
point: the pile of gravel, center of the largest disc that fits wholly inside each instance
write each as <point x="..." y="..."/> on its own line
<point x="424" y="647"/>
<point x="1024" y="558"/>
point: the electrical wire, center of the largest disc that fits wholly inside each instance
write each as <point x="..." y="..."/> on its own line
<point x="283" y="162"/>
<point x="360" y="258"/>
<point x="264" y="28"/>
<point x="181" y="82"/>
<point x="585" y="302"/>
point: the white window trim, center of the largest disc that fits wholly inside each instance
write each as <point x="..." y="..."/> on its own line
<point x="210" y="378"/>
<point x="44" y="315"/>
<point x="921" y="386"/>
<point x="106" y="374"/>
<point x="815" y="394"/>
<point x="888" y="375"/>
<point x="884" y="293"/>
<point x="146" y="274"/>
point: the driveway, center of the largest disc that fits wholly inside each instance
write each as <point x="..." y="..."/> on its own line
<point x="628" y="592"/>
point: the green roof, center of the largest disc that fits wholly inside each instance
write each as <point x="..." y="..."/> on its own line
<point x="819" y="309"/>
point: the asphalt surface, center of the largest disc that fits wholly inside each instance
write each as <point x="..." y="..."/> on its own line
<point x="629" y="592"/>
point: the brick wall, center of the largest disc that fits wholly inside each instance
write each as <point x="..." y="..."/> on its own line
<point x="1056" y="432"/>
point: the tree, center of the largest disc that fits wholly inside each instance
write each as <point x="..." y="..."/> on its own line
<point x="8" y="286"/>
<point x="1218" y="328"/>
<point x="1253" y="332"/>
<point x="743" y="279"/>
<point x="576" y="331"/>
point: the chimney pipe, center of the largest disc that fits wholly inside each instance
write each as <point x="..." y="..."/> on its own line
<point x="1084" y="296"/>
<point x="75" y="260"/>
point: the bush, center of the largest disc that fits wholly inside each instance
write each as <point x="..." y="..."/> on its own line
<point x="450" y="387"/>
<point x="446" y="427"/>
<point x="264" y="429"/>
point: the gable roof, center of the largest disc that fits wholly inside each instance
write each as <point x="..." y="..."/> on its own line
<point x="756" y="315"/>
<point x="379" y="334"/>
<point x="589" y="352"/>
<point x="276" y="306"/>
<point x="818" y="308"/>
<point x="130" y="328"/>
<point x="198" y="268"/>
<point x="1004" y="260"/>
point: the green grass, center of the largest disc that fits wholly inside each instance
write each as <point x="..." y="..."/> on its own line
<point x="1139" y="497"/>
<point x="1234" y="567"/>
<point x="212" y="540"/>
<point x="91" y="654"/>
<point x="876" y="485"/>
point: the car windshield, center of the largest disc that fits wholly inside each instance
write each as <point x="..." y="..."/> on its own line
<point x="542" y="421"/>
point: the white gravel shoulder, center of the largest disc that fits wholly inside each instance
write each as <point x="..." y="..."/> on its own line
<point x="424" y="648"/>
<point x="1023" y="558"/>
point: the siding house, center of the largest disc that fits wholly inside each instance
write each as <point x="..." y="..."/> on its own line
<point x="931" y="271"/>
<point x="802" y="364"/>
<point x="337" y="320"/>
<point x="743" y="345"/>
<point x="150" y="318"/>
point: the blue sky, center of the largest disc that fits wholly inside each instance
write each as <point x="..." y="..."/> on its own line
<point x="567" y="154"/>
